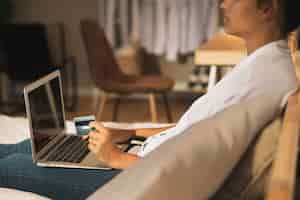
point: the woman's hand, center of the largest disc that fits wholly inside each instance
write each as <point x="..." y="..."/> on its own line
<point x="101" y="143"/>
<point x="117" y="135"/>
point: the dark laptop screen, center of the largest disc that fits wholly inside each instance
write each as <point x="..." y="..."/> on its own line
<point x="46" y="112"/>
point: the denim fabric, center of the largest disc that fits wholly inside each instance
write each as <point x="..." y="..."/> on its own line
<point x="17" y="170"/>
<point x="8" y="149"/>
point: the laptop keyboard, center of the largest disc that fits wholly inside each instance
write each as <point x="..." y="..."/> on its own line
<point x="73" y="149"/>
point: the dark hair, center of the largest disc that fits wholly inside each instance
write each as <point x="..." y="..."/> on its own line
<point x="290" y="14"/>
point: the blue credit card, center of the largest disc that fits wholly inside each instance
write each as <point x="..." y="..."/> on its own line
<point x="82" y="124"/>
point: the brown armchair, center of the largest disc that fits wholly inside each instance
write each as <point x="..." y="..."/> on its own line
<point x="108" y="77"/>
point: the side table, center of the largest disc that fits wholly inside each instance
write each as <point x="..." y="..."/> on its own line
<point x="221" y="50"/>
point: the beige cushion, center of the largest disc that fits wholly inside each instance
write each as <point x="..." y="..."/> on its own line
<point x="195" y="164"/>
<point x="249" y="179"/>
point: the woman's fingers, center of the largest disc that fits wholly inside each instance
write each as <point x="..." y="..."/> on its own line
<point x="91" y="141"/>
<point x="85" y="137"/>
<point x="95" y="135"/>
<point x="97" y="139"/>
<point x="98" y="126"/>
<point x="94" y="141"/>
<point x="92" y="148"/>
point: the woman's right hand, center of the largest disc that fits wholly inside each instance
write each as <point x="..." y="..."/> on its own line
<point x="118" y="135"/>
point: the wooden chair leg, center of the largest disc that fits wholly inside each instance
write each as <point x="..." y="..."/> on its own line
<point x="167" y="107"/>
<point x="116" y="108"/>
<point x="153" y="108"/>
<point x="101" y="104"/>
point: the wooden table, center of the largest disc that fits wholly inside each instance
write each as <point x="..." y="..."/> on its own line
<point x="222" y="50"/>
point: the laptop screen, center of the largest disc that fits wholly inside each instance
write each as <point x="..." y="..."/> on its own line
<point x="46" y="111"/>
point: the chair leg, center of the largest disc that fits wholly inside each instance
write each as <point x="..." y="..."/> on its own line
<point x="168" y="111"/>
<point x="153" y="108"/>
<point x="101" y="104"/>
<point x="116" y="109"/>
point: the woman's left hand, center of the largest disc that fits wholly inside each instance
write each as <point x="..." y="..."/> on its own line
<point x="101" y="144"/>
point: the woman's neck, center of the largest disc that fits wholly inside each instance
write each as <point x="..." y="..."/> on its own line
<point x="255" y="41"/>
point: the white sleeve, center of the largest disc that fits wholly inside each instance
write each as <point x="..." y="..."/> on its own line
<point x="216" y="100"/>
<point x="203" y="108"/>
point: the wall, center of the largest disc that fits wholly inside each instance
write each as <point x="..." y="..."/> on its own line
<point x="70" y="12"/>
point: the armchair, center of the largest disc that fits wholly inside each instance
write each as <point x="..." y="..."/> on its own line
<point x="109" y="78"/>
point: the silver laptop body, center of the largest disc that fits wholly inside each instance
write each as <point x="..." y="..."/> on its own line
<point x="46" y="116"/>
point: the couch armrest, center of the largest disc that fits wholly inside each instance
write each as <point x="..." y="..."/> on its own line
<point x="283" y="178"/>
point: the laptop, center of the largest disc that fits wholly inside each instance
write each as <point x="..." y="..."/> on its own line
<point x="51" y="145"/>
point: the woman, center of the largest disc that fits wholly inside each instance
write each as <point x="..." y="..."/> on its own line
<point x="263" y="24"/>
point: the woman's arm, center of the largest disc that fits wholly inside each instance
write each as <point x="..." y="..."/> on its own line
<point x="102" y="142"/>
<point x="122" y="160"/>
<point x="121" y="135"/>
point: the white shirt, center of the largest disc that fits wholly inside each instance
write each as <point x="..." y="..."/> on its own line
<point x="269" y="68"/>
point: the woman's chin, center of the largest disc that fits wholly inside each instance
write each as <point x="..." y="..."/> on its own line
<point x="229" y="31"/>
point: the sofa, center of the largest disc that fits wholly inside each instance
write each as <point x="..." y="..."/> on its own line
<point x="239" y="153"/>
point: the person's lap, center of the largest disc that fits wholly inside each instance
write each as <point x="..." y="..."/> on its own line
<point x="8" y="149"/>
<point x="17" y="170"/>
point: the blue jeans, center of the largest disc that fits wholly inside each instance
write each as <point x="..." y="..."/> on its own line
<point x="18" y="171"/>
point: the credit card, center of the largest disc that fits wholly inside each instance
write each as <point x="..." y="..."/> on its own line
<point x="82" y="124"/>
